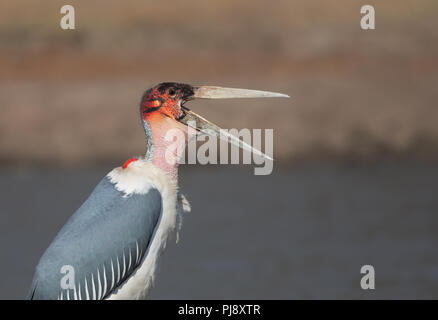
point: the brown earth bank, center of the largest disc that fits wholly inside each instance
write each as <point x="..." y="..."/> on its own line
<point x="71" y="97"/>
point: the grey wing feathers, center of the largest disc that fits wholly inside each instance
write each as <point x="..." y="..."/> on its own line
<point x="101" y="244"/>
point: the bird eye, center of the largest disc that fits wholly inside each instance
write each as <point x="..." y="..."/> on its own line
<point x="171" y="93"/>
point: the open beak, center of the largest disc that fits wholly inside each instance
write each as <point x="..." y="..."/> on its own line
<point x="202" y="125"/>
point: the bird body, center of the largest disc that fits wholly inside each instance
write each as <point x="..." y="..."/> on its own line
<point x="114" y="240"/>
<point x="109" y="248"/>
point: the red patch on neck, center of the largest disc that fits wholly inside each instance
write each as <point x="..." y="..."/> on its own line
<point x="127" y="162"/>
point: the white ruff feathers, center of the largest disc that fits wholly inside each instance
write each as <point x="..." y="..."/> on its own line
<point x="139" y="177"/>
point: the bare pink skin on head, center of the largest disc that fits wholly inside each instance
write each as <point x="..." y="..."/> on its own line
<point x="168" y="136"/>
<point x="160" y="108"/>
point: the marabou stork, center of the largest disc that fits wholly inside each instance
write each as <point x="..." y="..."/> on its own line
<point x="109" y="247"/>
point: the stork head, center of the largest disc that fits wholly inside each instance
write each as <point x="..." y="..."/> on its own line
<point x="168" y="99"/>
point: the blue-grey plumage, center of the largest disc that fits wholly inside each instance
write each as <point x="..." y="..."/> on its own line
<point x="104" y="241"/>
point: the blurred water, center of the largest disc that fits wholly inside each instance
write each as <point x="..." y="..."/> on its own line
<point x="301" y="232"/>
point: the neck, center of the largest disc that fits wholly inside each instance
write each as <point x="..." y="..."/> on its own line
<point x="160" y="151"/>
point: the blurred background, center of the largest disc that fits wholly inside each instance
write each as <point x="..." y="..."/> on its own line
<point x="356" y="147"/>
